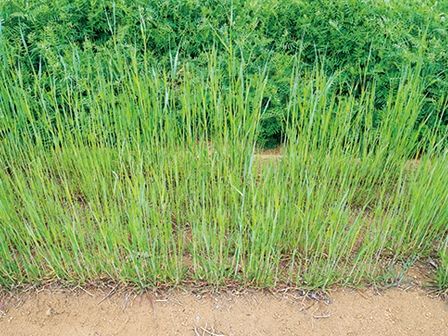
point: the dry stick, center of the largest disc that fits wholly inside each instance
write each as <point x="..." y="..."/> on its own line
<point x="321" y="316"/>
<point x="84" y="290"/>
<point x="307" y="307"/>
<point x="108" y="295"/>
<point x="363" y="295"/>
<point x="208" y="332"/>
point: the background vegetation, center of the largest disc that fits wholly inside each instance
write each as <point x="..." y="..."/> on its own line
<point x="362" y="40"/>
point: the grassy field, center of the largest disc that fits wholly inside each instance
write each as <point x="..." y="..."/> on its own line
<point x="148" y="177"/>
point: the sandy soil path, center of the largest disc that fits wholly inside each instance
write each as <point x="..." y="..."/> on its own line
<point x="394" y="312"/>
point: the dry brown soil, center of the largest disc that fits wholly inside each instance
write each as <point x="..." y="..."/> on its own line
<point x="70" y="313"/>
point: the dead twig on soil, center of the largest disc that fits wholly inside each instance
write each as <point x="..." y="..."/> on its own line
<point x="108" y="295"/>
<point x="83" y="289"/>
<point x="317" y="317"/>
<point x="200" y="331"/>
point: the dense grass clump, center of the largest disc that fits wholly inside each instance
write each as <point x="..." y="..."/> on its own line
<point x="150" y="176"/>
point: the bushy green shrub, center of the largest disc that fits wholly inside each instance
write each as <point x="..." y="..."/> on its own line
<point x="362" y="40"/>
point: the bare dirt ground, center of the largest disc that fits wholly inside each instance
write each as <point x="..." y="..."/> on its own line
<point x="176" y="312"/>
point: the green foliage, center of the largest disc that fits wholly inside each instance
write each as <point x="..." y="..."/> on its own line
<point x="362" y="40"/>
<point x="149" y="176"/>
<point x="128" y="128"/>
<point x="442" y="271"/>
